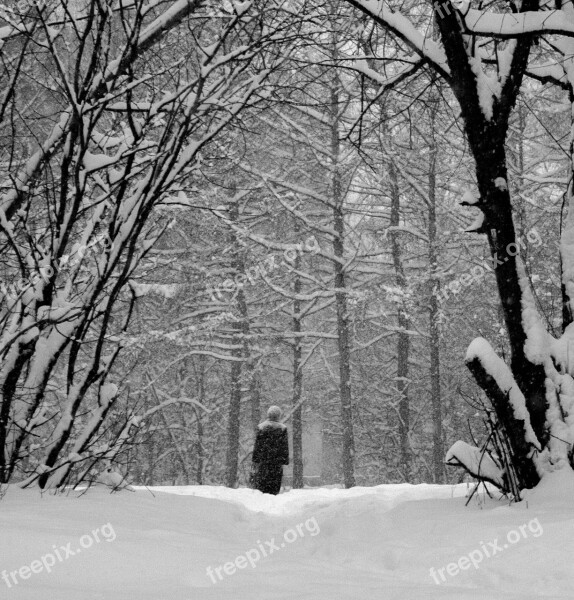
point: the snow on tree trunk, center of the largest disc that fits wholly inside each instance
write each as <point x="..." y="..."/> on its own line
<point x="497" y="380"/>
<point x="476" y="462"/>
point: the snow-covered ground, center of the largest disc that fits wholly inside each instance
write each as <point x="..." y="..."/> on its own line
<point x="318" y="544"/>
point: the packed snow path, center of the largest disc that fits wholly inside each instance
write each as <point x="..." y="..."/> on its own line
<point x="322" y="544"/>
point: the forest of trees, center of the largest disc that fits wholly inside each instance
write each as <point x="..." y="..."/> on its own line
<point x="358" y="210"/>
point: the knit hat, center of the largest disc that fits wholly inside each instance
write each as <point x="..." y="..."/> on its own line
<point x="274" y="413"/>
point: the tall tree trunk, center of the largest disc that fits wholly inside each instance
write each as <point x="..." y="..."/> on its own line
<point x="234" y="415"/>
<point x="434" y="338"/>
<point x="489" y="152"/>
<point x="254" y="378"/>
<point x="343" y="338"/>
<point x="486" y="135"/>
<point x="240" y="354"/>
<point x="297" y="429"/>
<point x="403" y="341"/>
<point x="199" y="446"/>
<point x="198" y="418"/>
<point x="496" y="205"/>
<point x="151" y="457"/>
<point x="567" y="231"/>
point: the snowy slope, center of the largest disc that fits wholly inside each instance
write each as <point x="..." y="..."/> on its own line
<point x="365" y="543"/>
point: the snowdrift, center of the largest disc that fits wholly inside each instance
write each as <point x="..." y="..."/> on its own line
<point x="388" y="542"/>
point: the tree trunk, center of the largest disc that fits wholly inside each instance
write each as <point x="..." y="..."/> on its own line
<point x="240" y="341"/>
<point x="198" y="418"/>
<point x="403" y="341"/>
<point x="434" y="338"/>
<point x="343" y="339"/>
<point x="497" y="208"/>
<point x="233" y="419"/>
<point x="567" y="231"/>
<point x="486" y="135"/>
<point x="297" y="428"/>
<point x="254" y="378"/>
<point x="514" y="428"/>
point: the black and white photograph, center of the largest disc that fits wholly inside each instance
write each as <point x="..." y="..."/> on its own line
<point x="286" y="300"/>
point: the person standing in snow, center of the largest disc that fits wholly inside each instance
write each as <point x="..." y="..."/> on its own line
<point x="270" y="453"/>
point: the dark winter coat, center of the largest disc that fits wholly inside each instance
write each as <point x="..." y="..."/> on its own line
<point x="270" y="453"/>
<point x="271" y="444"/>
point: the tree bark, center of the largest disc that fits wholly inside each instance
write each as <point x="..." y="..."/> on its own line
<point x="486" y="117"/>
<point x="497" y="208"/>
<point x="514" y="429"/>
<point x="403" y="341"/>
<point x="240" y="337"/>
<point x="234" y="415"/>
<point x="487" y="136"/>
<point x="434" y="337"/>
<point x="343" y="334"/>
<point x="297" y="428"/>
<point x="199" y="421"/>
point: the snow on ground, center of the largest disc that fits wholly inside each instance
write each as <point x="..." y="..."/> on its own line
<point x="293" y="501"/>
<point x="320" y="544"/>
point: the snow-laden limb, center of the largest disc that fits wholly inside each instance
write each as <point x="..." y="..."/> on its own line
<point x="494" y="366"/>
<point x="488" y="88"/>
<point x="469" y="198"/>
<point x="114" y="480"/>
<point x="101" y="85"/>
<point x="28" y="410"/>
<point x="477" y="226"/>
<point x="542" y="349"/>
<point x="538" y="340"/>
<point x="567" y="252"/>
<point x="407" y="228"/>
<point x="512" y="25"/>
<point x="556" y="356"/>
<point x="548" y="72"/>
<point x="106" y="398"/>
<point x="169" y="402"/>
<point x="31" y="167"/>
<point x="167" y="290"/>
<point x="54" y="335"/>
<point x="385" y="82"/>
<point x="560" y="418"/>
<point x="476" y="461"/>
<point x="404" y="29"/>
<point x="560" y="396"/>
<point x="562" y="350"/>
